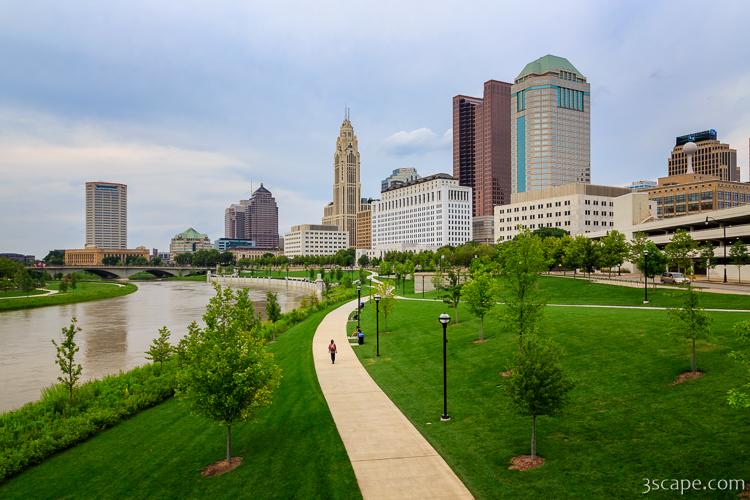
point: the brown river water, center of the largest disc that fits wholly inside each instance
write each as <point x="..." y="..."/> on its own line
<point x="115" y="333"/>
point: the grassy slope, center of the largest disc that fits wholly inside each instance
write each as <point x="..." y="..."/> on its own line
<point x="19" y="293"/>
<point x="291" y="450"/>
<point x="558" y="290"/>
<point x="625" y="422"/>
<point x="85" y="291"/>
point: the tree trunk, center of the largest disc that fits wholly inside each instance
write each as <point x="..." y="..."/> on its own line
<point x="533" y="437"/>
<point x="229" y="443"/>
<point x="456" y="309"/>
<point x="693" y="366"/>
<point x="481" y="329"/>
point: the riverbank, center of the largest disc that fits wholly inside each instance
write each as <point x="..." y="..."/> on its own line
<point x="291" y="449"/>
<point x="85" y="291"/>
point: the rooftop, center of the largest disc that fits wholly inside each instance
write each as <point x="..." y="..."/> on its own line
<point x="546" y="64"/>
<point x="420" y="181"/>
<point x="191" y="233"/>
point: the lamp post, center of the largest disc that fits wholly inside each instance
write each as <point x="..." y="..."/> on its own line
<point x="359" y="304"/>
<point x="377" y="324"/>
<point x="645" y="276"/>
<point x="444" y="320"/>
<point x="723" y="243"/>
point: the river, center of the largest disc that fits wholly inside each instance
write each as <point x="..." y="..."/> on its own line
<point x="115" y="333"/>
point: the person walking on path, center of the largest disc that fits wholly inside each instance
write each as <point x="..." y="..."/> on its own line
<point x="332" y="350"/>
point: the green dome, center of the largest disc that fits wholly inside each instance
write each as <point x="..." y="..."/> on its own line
<point x="546" y="64"/>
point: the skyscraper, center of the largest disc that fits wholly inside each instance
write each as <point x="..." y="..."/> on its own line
<point x="550" y="126"/>
<point x="712" y="157"/>
<point x="262" y="219"/>
<point x="400" y="176"/>
<point x="481" y="146"/>
<point x="256" y="219"/>
<point x="106" y="215"/>
<point x="342" y="211"/>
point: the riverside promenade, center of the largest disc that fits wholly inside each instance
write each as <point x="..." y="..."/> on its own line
<point x="391" y="459"/>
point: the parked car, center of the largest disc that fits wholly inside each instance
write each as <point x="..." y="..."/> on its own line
<point x="674" y="278"/>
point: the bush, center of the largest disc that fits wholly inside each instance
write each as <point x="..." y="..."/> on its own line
<point x="39" y="429"/>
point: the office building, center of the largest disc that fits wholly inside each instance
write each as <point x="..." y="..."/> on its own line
<point x="399" y="176"/>
<point x="481" y="146"/>
<point x="315" y="239"/>
<point x="224" y="244"/>
<point x="712" y="158"/>
<point x="106" y="215"/>
<point x="364" y="226"/>
<point x="256" y="219"/>
<point x="428" y="213"/>
<point x="342" y="211"/>
<point x="234" y="221"/>
<point x="245" y="253"/>
<point x="94" y="256"/>
<point x="687" y="194"/>
<point x="483" y="229"/>
<point x="18" y="257"/>
<point x="550" y="126"/>
<point x="189" y="241"/>
<point x="577" y="208"/>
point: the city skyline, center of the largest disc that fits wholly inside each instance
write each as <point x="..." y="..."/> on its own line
<point x="186" y="150"/>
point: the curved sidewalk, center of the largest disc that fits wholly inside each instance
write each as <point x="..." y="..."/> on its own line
<point x="391" y="459"/>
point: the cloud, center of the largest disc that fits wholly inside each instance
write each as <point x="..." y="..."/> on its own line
<point x="415" y="142"/>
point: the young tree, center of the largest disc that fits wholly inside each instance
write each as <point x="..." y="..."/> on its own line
<point x="740" y="397"/>
<point x="740" y="257"/>
<point x="479" y="294"/>
<point x="72" y="281"/>
<point x="614" y="250"/>
<point x="680" y="250"/>
<point x="23" y="281"/>
<point x="537" y="385"/>
<point x="451" y="288"/>
<point x="66" y="354"/>
<point x="160" y="349"/>
<point x="385" y="268"/>
<point x="637" y="247"/>
<point x="707" y="256"/>
<point x="63" y="287"/>
<point x="656" y="260"/>
<point x="183" y="259"/>
<point x="273" y="309"/>
<point x="691" y="322"/>
<point x="521" y="260"/>
<point x="585" y="252"/>
<point x="225" y="373"/>
<point x="387" y="301"/>
<point x="363" y="260"/>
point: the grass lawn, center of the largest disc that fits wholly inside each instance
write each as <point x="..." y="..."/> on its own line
<point x="84" y="291"/>
<point x="291" y="450"/>
<point x="4" y="294"/>
<point x="625" y="422"/>
<point x="560" y="290"/>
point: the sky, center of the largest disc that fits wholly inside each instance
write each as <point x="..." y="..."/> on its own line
<point x="192" y="104"/>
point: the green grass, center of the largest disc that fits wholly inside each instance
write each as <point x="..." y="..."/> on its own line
<point x="84" y="291"/>
<point x="560" y="290"/>
<point x="291" y="450"/>
<point x="626" y="422"/>
<point x="4" y="294"/>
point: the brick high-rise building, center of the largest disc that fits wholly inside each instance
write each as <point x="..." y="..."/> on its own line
<point x="712" y="157"/>
<point x="106" y="215"/>
<point x="481" y="146"/>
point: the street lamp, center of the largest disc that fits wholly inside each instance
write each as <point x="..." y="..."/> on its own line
<point x="645" y="276"/>
<point x="444" y="320"/>
<point x="377" y="324"/>
<point x="359" y="305"/>
<point x="723" y="243"/>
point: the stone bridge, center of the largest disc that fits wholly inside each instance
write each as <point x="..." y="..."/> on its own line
<point x="122" y="272"/>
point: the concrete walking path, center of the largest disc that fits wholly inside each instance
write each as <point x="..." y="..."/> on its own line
<point x="391" y="459"/>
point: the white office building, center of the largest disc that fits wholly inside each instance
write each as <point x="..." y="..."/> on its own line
<point x="315" y="239"/>
<point x="106" y="215"/>
<point x="424" y="214"/>
<point x="576" y="208"/>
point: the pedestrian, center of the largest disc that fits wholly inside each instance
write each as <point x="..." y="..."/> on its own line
<point x="332" y="350"/>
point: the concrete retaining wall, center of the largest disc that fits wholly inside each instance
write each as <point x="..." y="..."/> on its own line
<point x="281" y="284"/>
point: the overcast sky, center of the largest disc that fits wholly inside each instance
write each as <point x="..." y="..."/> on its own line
<point x="190" y="103"/>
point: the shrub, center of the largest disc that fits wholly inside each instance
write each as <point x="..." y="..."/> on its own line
<point x="37" y="430"/>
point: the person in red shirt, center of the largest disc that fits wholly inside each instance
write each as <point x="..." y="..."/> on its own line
<point x="332" y="350"/>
